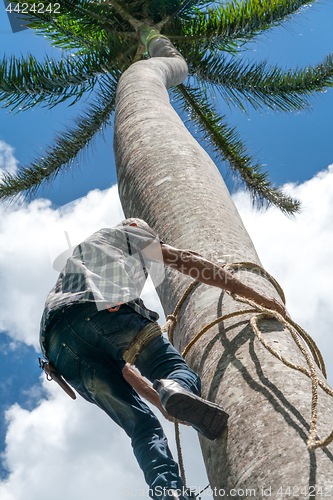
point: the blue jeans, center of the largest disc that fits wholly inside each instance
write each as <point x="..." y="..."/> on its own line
<point x="86" y="346"/>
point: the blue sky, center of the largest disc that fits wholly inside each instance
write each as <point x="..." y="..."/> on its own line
<point x="295" y="147"/>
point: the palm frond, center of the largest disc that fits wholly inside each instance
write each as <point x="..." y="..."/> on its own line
<point x="234" y="21"/>
<point x="162" y="9"/>
<point x="258" y="84"/>
<point x="184" y="10"/>
<point x="224" y="141"/>
<point x="152" y="10"/>
<point x="26" y="82"/>
<point x="63" y="154"/>
<point x="79" y="24"/>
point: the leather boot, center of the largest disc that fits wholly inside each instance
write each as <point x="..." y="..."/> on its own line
<point x="207" y="418"/>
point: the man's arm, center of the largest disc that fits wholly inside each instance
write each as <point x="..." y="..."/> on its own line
<point x="196" y="266"/>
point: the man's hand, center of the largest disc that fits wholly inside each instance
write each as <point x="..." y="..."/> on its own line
<point x="276" y="306"/>
<point x="262" y="300"/>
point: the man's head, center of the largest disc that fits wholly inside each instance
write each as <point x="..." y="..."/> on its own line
<point x="133" y="221"/>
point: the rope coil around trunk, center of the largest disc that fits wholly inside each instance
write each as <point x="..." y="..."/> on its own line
<point x="295" y="330"/>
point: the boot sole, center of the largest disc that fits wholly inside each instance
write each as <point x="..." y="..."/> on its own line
<point x="209" y="419"/>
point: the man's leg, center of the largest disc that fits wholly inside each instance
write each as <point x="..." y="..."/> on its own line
<point x="83" y="358"/>
<point x="179" y="388"/>
<point x="160" y="360"/>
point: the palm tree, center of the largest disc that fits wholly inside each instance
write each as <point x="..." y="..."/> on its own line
<point x="165" y="177"/>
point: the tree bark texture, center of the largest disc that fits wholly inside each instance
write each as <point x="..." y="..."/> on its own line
<point x="166" y="178"/>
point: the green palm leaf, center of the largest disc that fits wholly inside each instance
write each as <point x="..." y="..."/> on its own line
<point x="77" y="25"/>
<point x="234" y="21"/>
<point x="160" y="10"/>
<point x="259" y="84"/>
<point x="225" y="143"/>
<point x="26" y="82"/>
<point x="183" y="9"/>
<point x="61" y="156"/>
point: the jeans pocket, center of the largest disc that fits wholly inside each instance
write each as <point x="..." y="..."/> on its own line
<point x="68" y="364"/>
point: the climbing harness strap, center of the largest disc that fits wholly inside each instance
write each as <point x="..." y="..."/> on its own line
<point x="140" y="341"/>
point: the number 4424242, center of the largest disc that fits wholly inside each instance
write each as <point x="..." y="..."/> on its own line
<point x="39" y="8"/>
<point x="310" y="491"/>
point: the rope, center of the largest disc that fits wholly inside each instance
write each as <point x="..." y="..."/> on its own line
<point x="171" y="321"/>
<point x="295" y="330"/>
<point x="179" y="453"/>
<point x="141" y="339"/>
<point x="312" y="443"/>
<point x="250" y="266"/>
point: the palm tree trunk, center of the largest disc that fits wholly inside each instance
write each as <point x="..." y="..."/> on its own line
<point x="167" y="179"/>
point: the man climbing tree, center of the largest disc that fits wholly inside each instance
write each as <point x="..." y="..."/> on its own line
<point x="165" y="178"/>
<point x="94" y="322"/>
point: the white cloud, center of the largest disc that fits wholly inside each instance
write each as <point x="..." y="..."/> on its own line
<point x="8" y="162"/>
<point x="65" y="449"/>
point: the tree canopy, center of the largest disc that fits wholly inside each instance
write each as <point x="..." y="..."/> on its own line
<point x="101" y="39"/>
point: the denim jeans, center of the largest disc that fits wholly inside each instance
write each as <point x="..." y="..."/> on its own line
<point x="86" y="346"/>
